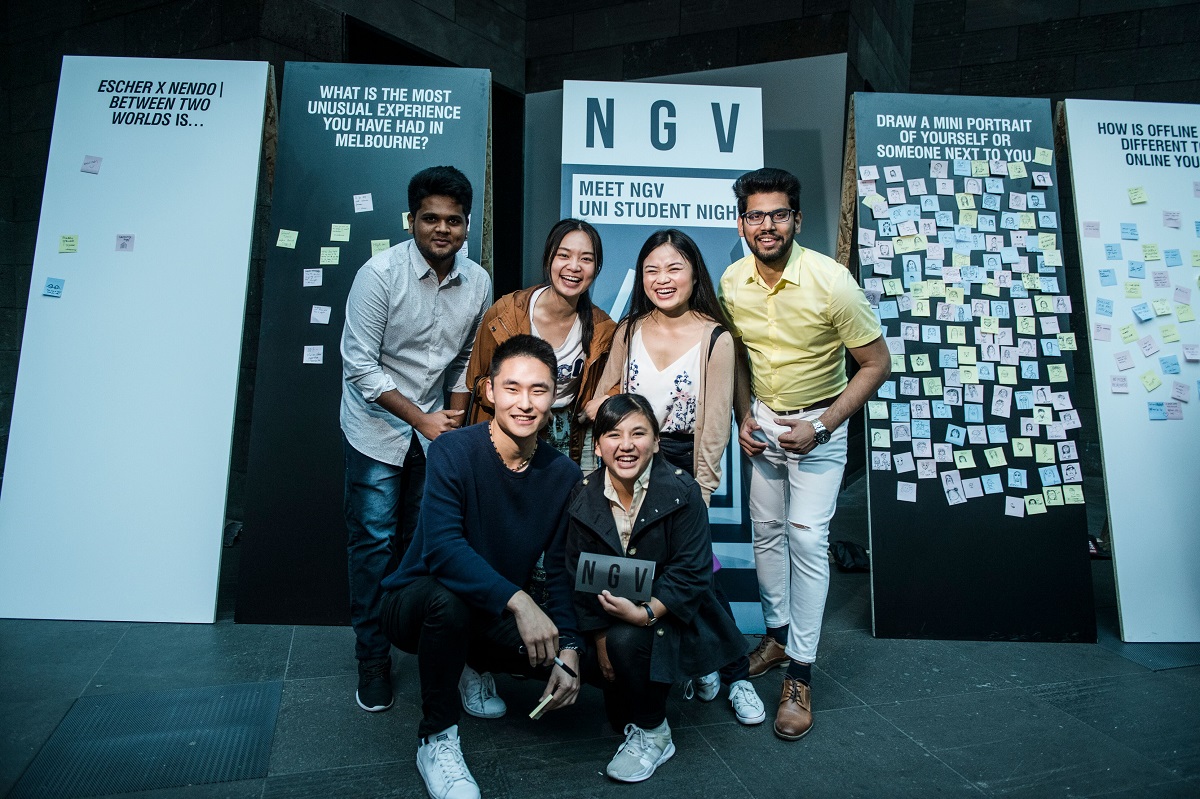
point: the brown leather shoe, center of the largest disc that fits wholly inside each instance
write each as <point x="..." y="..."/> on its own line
<point x="794" y="718"/>
<point x="766" y="656"/>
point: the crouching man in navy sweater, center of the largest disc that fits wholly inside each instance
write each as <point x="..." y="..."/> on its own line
<point x="495" y="498"/>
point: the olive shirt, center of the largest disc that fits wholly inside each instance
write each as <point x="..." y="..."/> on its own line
<point x="795" y="331"/>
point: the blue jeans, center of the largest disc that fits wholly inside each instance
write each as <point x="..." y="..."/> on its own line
<point x="382" y="504"/>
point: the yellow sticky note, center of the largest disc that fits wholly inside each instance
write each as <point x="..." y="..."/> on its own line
<point x="961" y="259"/>
<point x="1162" y="308"/>
<point x="955" y="296"/>
<point x="1133" y="289"/>
<point x="1027" y="220"/>
<point x="1022" y="448"/>
<point x="1026" y="326"/>
<point x="967" y="355"/>
<point x="919" y="290"/>
<point x="979" y="169"/>
<point x="905" y="244"/>
<point x="287" y="238"/>
<point x="968" y="374"/>
<point x="1044" y="453"/>
<point x="1053" y="495"/>
<point x="68" y="243"/>
<point x="932" y="386"/>
<point x="379" y="245"/>
<point x="964" y="201"/>
<point x="1052" y="257"/>
<point x="1035" y="503"/>
<point x="1073" y="494"/>
<point x="339" y="232"/>
<point x="1047" y="241"/>
<point x="937" y="288"/>
<point x="1043" y="304"/>
<point x="1056" y="372"/>
<point x="877" y="409"/>
<point x="990" y="289"/>
<point x="330" y="256"/>
<point x="1185" y="313"/>
<point x="1066" y="341"/>
<point x="898" y="363"/>
<point x="1007" y="375"/>
<point x="1150" y="252"/>
<point x="1128" y="333"/>
<point x="893" y="286"/>
<point x="920" y="308"/>
<point x="1170" y="333"/>
<point x="1042" y="155"/>
<point x="956" y="334"/>
<point x="1150" y="380"/>
<point x="1137" y="195"/>
<point x="989" y="324"/>
<point x="1195" y="257"/>
<point x="964" y="459"/>
<point x="995" y="457"/>
<point x="1030" y="281"/>
<point x="1016" y="169"/>
<point x="968" y="217"/>
<point x="920" y="363"/>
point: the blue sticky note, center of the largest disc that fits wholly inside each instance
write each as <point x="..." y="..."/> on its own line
<point x="1024" y="400"/>
<point x="997" y="434"/>
<point x="986" y="370"/>
<point x="933" y="267"/>
<point x="1010" y="221"/>
<point x="1050" y="347"/>
<point x="1169" y="364"/>
<point x="944" y="218"/>
<point x="1172" y="258"/>
<point x="1048" y="285"/>
<point x="987" y="222"/>
<point x="1029" y="370"/>
<point x="920" y="428"/>
<point x="886" y="228"/>
<point x="1198" y="228"/>
<point x="1104" y="307"/>
<point x="973" y="413"/>
<point x="889" y="310"/>
<point x="993" y="185"/>
<point x="1137" y="269"/>
<point x="990" y="202"/>
<point x="992" y="484"/>
<point x="962" y="233"/>
<point x="962" y="167"/>
<point x="1112" y="252"/>
<point x="929" y="202"/>
<point x="887" y="390"/>
<point x="1142" y="311"/>
<point x="54" y="287"/>
<point x="1158" y="411"/>
<point x="1000" y="309"/>
<point x="941" y="410"/>
<point x="1048" y="219"/>
<point x="900" y="412"/>
<point x="948" y="359"/>
<point x="1018" y="290"/>
<point x="1009" y="255"/>
<point x="1050" y="476"/>
<point x="1108" y="277"/>
<point x="1129" y="231"/>
<point x="955" y="434"/>
<point x="1016" y="477"/>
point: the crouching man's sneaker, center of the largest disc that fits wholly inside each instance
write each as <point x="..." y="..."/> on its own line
<point x="746" y="705"/>
<point x="374" y="692"/>
<point x="440" y="761"/>
<point x="478" y="694"/>
<point x="642" y="752"/>
<point x="703" y="688"/>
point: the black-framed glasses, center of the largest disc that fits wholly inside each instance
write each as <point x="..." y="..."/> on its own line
<point x="778" y="216"/>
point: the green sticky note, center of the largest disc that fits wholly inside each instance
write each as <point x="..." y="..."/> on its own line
<point x="1056" y="372"/>
<point x="330" y="256"/>
<point x="1137" y="195"/>
<point x="1016" y="169"/>
<point x="68" y="243"/>
<point x="339" y="232"/>
<point x="1042" y="155"/>
<point x="379" y="245"/>
<point x="1150" y="380"/>
<point x="1185" y="313"/>
<point x="287" y="238"/>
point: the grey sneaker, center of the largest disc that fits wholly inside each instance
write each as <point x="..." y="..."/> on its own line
<point x="374" y="692"/>
<point x="705" y="688"/>
<point x="478" y="693"/>
<point x="642" y="752"/>
<point x="440" y="761"/>
<point x="745" y="702"/>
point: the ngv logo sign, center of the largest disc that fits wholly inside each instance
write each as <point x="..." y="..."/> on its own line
<point x="625" y="577"/>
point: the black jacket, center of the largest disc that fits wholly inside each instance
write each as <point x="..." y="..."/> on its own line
<point x="697" y="636"/>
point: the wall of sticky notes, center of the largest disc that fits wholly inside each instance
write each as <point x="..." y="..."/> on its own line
<point x="351" y="137"/>
<point x="977" y="522"/>
<point x="118" y="456"/>
<point x="1135" y="169"/>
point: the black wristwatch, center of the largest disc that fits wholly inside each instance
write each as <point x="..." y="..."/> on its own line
<point x="820" y="434"/>
<point x="652" y="619"/>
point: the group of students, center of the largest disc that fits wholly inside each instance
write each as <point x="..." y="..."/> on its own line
<point x="547" y="384"/>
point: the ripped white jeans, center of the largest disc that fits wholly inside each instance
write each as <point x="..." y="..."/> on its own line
<point x="792" y="499"/>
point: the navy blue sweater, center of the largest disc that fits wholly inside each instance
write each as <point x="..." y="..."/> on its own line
<point x="483" y="526"/>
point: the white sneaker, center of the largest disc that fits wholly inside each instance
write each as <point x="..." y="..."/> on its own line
<point x="440" y="761"/>
<point x="705" y="688"/>
<point x="746" y="705"/>
<point x="642" y="752"/>
<point x="478" y="693"/>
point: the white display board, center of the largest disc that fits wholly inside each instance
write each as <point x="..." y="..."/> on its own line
<point x="114" y="486"/>
<point x="1135" y="169"/>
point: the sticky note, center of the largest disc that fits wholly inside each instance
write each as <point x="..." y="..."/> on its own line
<point x="330" y="256"/>
<point x="1157" y="411"/>
<point x="53" y="287"/>
<point x="379" y="245"/>
<point x="1133" y="290"/>
<point x="906" y="492"/>
<point x="1042" y="155"/>
<point x="1035" y="503"/>
<point x="1169" y="364"/>
<point x="1162" y="308"/>
<point x="1056" y="372"/>
<point x="314" y="353"/>
<point x="1172" y="219"/>
<point x="339" y="232"/>
<point x="1150" y="380"/>
<point x="1016" y="170"/>
<point x="1191" y="352"/>
<point x="319" y="315"/>
<point x="964" y="459"/>
<point x="1172" y="257"/>
<point x="1066" y="341"/>
<point x="1137" y="195"/>
<point x="68" y="243"/>
<point x="1118" y="384"/>
<point x="995" y="456"/>
<point x="1183" y="295"/>
<point x="1150" y="252"/>
<point x="313" y="277"/>
<point x="1053" y="496"/>
<point x="1108" y="277"/>
<point x="1044" y="453"/>
<point x="1148" y="345"/>
<point x="363" y="202"/>
<point x="1124" y="360"/>
<point x="1129" y="231"/>
<point x="91" y="164"/>
<point x="287" y="238"/>
<point x="1184" y="313"/>
<point x="1073" y="494"/>
<point x="124" y="242"/>
<point x="1142" y="311"/>
<point x="1091" y="230"/>
<point x="1104" y="307"/>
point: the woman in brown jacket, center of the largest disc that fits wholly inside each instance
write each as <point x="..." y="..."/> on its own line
<point x="561" y="312"/>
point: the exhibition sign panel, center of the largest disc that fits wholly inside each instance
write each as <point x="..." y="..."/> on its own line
<point x="1136" y="174"/>
<point x="640" y="157"/>
<point x="118" y="455"/>
<point x="977" y="521"/>
<point x="351" y="137"/>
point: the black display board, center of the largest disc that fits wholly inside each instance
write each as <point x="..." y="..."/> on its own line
<point x="351" y="137"/>
<point x="977" y="521"/>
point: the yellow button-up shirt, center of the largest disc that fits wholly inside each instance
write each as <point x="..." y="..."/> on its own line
<point x="796" y="331"/>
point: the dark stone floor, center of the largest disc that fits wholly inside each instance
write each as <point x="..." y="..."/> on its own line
<point x="894" y="717"/>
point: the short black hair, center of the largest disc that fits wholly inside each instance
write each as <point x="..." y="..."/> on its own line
<point x="617" y="407"/>
<point x="440" y="181"/>
<point x="767" y="181"/>
<point x="524" y="345"/>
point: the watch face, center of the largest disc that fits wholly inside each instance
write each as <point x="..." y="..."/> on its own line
<point x="822" y="437"/>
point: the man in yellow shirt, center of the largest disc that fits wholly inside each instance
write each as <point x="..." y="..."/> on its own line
<point x="795" y="314"/>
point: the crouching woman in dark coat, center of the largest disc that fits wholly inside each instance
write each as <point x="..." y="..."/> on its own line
<point x="638" y="506"/>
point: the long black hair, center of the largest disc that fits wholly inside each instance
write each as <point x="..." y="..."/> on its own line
<point x="553" y="241"/>
<point x="704" y="297"/>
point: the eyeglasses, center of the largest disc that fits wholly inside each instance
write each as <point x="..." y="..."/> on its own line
<point x="778" y="216"/>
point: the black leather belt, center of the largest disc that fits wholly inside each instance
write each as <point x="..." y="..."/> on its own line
<point x="816" y="406"/>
